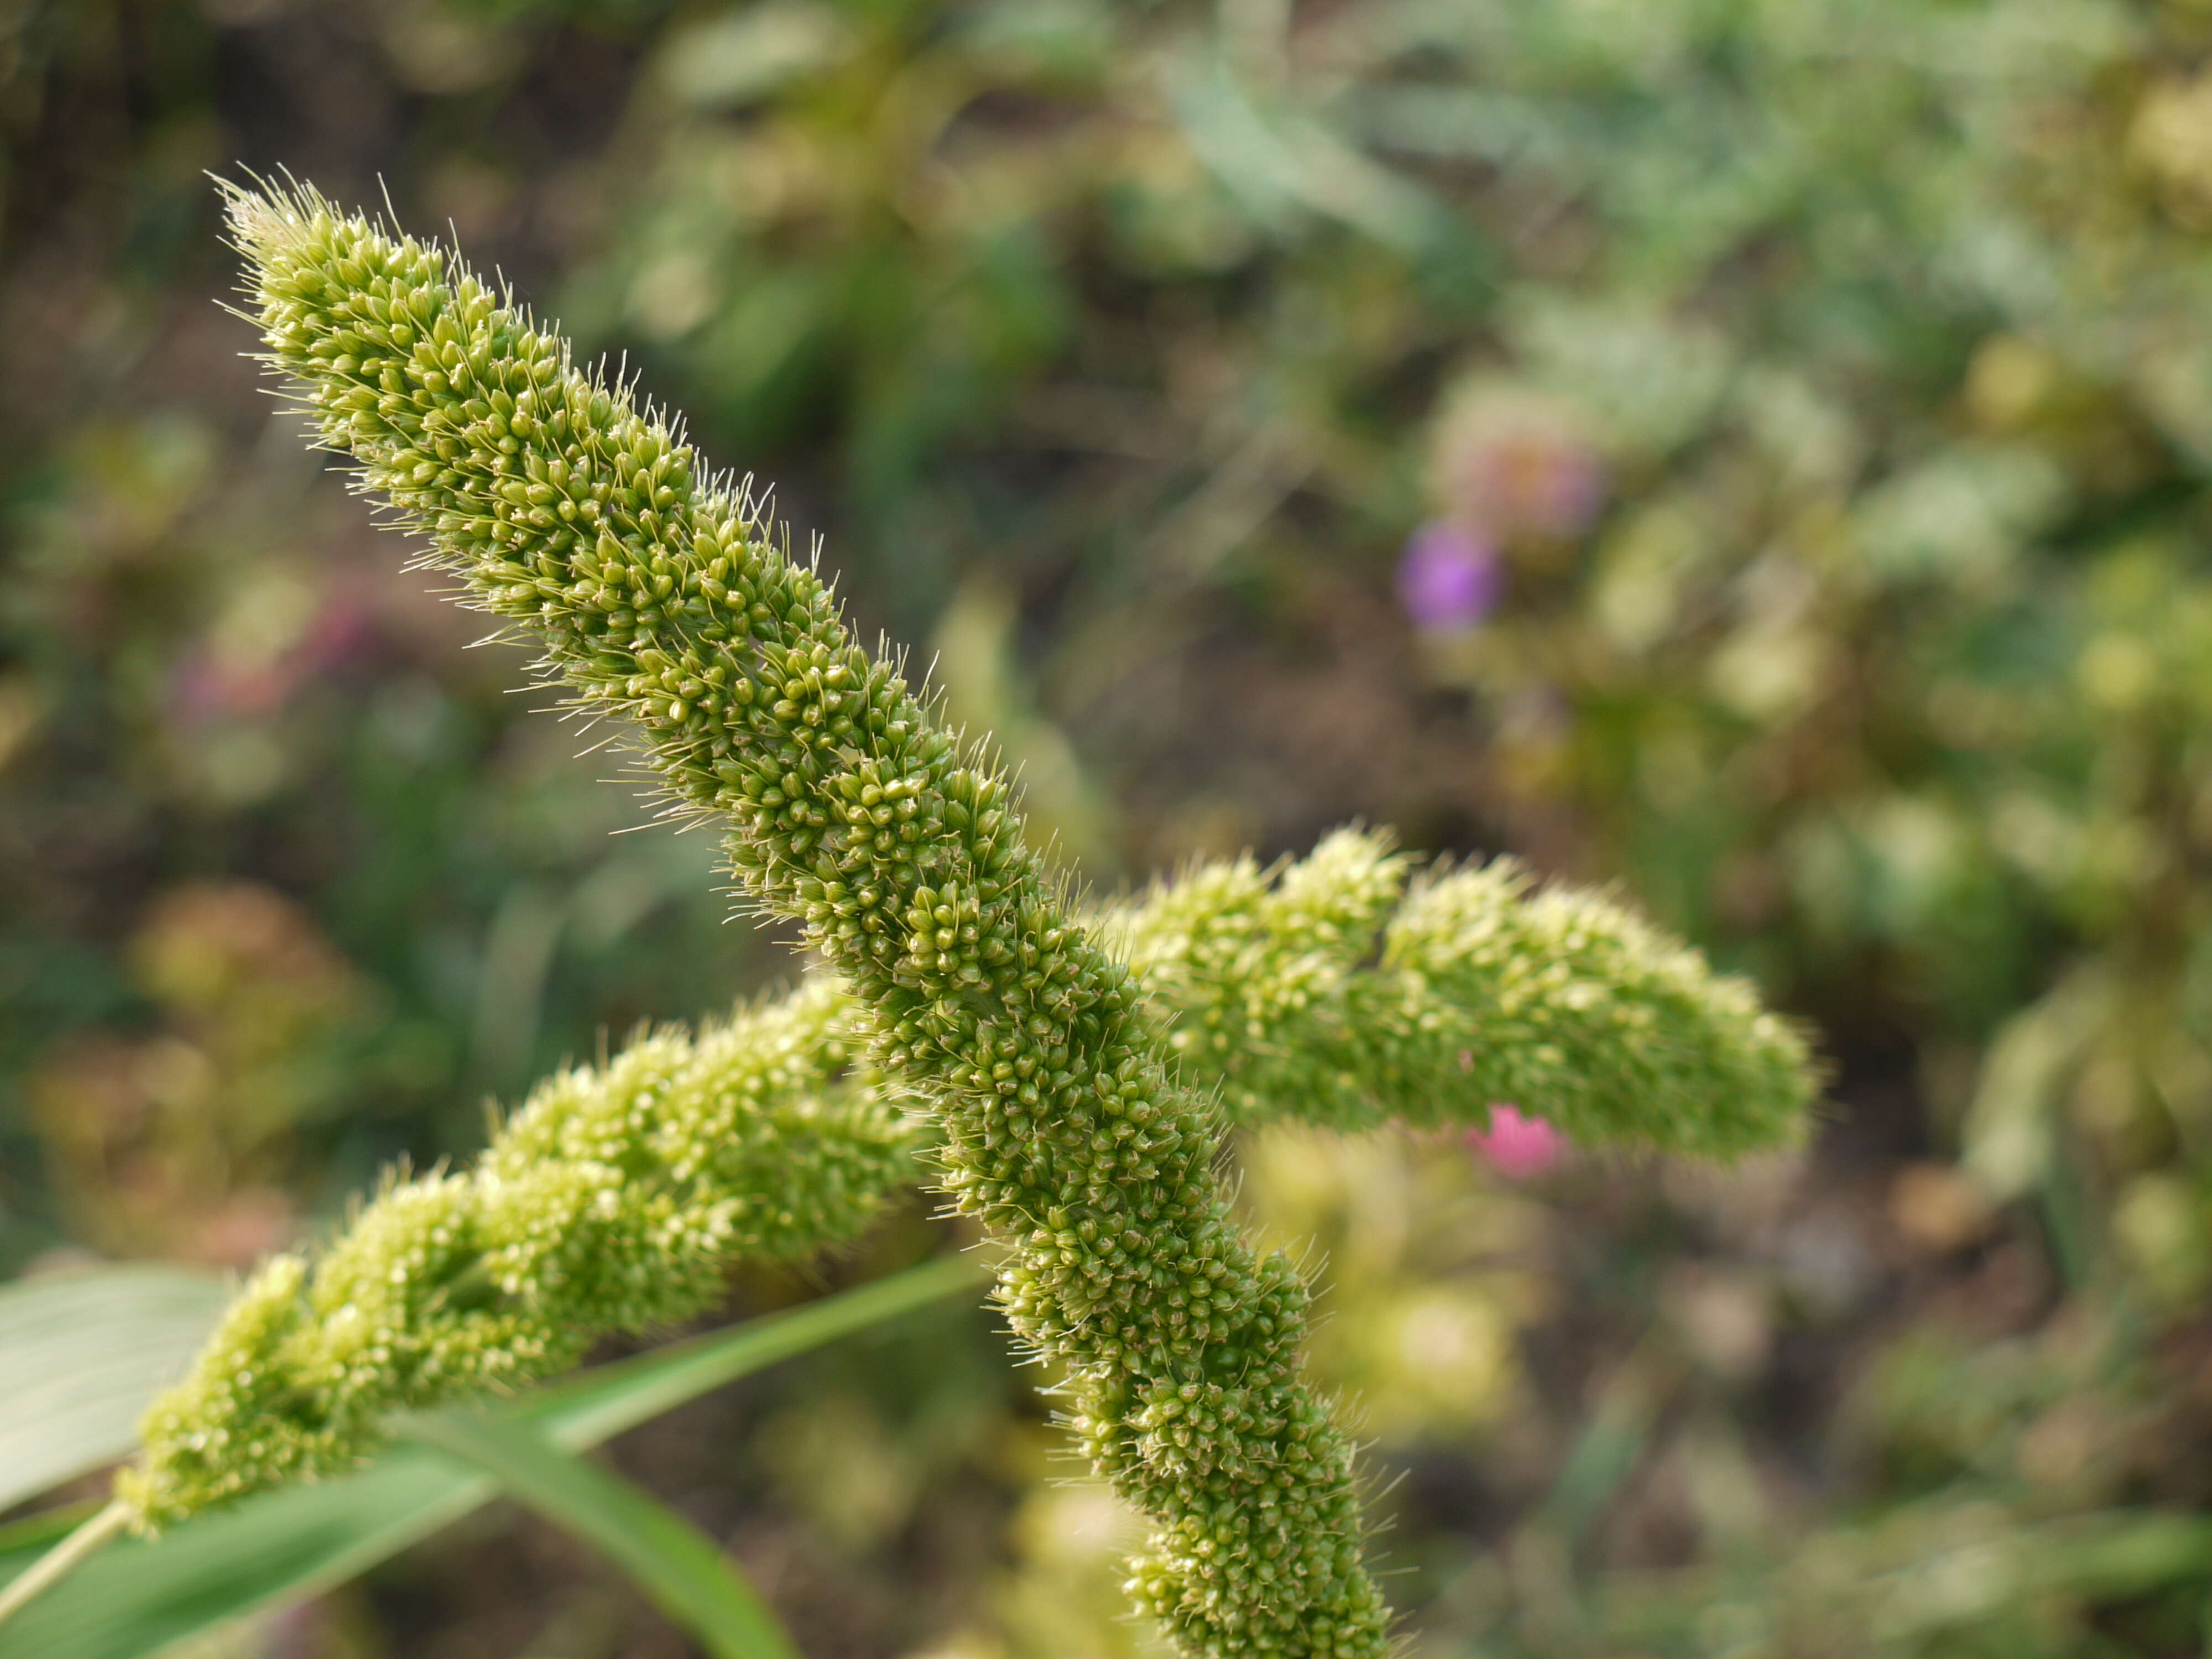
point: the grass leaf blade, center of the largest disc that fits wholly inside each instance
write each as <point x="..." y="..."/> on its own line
<point x="139" y="1598"/>
<point x="669" y="1559"/>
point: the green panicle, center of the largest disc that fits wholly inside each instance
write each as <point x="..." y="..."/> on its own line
<point x="588" y="525"/>
<point x="1348" y="992"/>
<point x="1320" y="991"/>
<point x="615" y="1200"/>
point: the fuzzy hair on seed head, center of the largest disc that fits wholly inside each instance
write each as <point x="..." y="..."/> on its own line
<point x="572" y="513"/>
<point x="1072" y="1070"/>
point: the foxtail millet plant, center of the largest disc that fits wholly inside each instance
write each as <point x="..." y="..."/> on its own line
<point x="1058" y="1114"/>
<point x="659" y="600"/>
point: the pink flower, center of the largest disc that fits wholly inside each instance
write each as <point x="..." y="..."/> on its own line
<point x="1449" y="577"/>
<point x="254" y="675"/>
<point x="1533" y="482"/>
<point x="1519" y="462"/>
<point x="1517" y="1146"/>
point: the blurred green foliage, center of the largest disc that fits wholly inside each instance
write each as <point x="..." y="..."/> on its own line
<point x="1817" y="398"/>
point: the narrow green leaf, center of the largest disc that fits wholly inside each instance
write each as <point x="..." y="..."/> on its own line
<point x="672" y="1562"/>
<point x="1610" y="1446"/>
<point x="82" y="1355"/>
<point x="139" y="1597"/>
<point x="596" y="1405"/>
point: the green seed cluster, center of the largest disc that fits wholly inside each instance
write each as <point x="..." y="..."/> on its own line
<point x="615" y="1200"/>
<point x="658" y="600"/>
<point x="616" y="1197"/>
<point x="1333" y="992"/>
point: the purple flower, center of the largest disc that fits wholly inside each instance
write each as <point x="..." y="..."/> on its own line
<point x="1449" y="576"/>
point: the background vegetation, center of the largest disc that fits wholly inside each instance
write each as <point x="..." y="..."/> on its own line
<point x="1752" y="450"/>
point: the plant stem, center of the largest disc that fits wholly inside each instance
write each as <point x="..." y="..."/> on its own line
<point x="65" y="1557"/>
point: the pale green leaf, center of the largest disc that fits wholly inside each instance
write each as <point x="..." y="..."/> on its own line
<point x="82" y="1355"/>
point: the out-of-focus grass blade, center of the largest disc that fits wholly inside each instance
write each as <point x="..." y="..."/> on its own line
<point x="1608" y="1450"/>
<point x="1955" y="1566"/>
<point x="669" y="1559"/>
<point x="2109" y="1556"/>
<point x="82" y="1355"/>
<point x="1278" y="160"/>
<point x="138" y="1598"/>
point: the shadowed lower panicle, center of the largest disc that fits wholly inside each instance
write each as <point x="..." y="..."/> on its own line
<point x="615" y="1200"/>
<point x="584" y="522"/>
